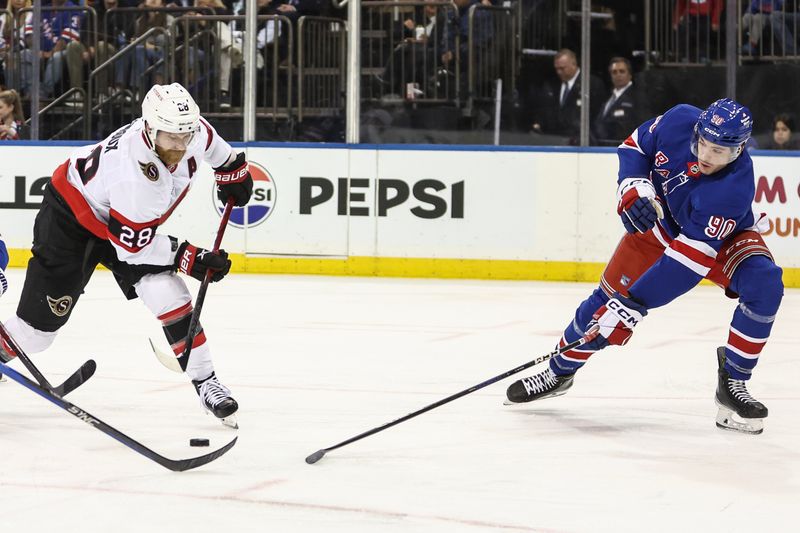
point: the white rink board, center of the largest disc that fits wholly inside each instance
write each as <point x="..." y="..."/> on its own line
<point x="507" y="205"/>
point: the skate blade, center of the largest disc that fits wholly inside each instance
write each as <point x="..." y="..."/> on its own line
<point x="729" y="420"/>
<point x="3" y="379"/>
<point x="228" y="421"/>
<point x="509" y="402"/>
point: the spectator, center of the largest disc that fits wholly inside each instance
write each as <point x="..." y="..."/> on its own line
<point x="11" y="116"/>
<point x="783" y="21"/>
<point x="622" y="112"/>
<point x="557" y="110"/>
<point x="782" y="134"/>
<point x="691" y="19"/>
<point x="457" y="31"/>
<point x="119" y="31"/>
<point x="8" y="36"/>
<point x="753" y="21"/>
<point x="230" y="49"/>
<point x="61" y="33"/>
<point x="151" y="51"/>
<point x="413" y="60"/>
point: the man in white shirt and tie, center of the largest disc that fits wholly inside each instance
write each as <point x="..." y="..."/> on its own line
<point x="621" y="112"/>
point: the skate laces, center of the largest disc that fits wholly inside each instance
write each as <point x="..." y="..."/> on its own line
<point x="213" y="392"/>
<point x="738" y="388"/>
<point x="539" y="382"/>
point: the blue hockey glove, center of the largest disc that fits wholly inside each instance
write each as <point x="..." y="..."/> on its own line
<point x="3" y="265"/>
<point x="638" y="206"/>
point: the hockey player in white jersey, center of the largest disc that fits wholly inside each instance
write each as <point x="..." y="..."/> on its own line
<point x="104" y="206"/>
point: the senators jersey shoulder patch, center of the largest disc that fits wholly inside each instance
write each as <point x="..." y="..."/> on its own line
<point x="150" y="170"/>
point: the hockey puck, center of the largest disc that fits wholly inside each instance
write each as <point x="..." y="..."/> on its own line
<point x="198" y="442"/>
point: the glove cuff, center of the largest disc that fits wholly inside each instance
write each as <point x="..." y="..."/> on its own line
<point x="184" y="259"/>
<point x="3" y="282"/>
<point x="642" y="185"/>
<point x="629" y="311"/>
<point x="235" y="172"/>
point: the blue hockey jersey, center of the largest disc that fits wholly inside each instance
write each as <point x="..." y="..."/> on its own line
<point x="700" y="211"/>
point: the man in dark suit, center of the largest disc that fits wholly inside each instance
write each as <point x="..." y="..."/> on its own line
<point x="621" y="112"/>
<point x="559" y="104"/>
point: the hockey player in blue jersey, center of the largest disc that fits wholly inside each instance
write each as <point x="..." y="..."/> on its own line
<point x="3" y="266"/>
<point x="685" y="196"/>
<point x="3" y="281"/>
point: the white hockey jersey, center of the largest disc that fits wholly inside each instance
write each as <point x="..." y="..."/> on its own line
<point x="121" y="191"/>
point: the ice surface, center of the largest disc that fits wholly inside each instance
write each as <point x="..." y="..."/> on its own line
<point x="316" y="360"/>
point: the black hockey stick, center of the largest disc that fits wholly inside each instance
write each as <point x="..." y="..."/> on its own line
<point x="201" y="294"/>
<point x="591" y="334"/>
<point x="178" y="465"/>
<point x="73" y="382"/>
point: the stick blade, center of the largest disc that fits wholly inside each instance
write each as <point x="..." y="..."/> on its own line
<point x="182" y="465"/>
<point x="316" y="456"/>
<point x="78" y="378"/>
<point x="166" y="359"/>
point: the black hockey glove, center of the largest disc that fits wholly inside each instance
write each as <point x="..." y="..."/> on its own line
<point x="234" y="179"/>
<point x="195" y="262"/>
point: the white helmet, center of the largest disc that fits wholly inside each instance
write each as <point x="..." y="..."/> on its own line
<point x="169" y="108"/>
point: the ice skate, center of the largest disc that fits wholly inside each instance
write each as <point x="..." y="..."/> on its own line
<point x="738" y="411"/>
<point x="3" y="378"/>
<point x="542" y="385"/>
<point x="216" y="399"/>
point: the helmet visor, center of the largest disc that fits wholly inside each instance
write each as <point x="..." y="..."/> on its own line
<point x="173" y="141"/>
<point x="712" y="153"/>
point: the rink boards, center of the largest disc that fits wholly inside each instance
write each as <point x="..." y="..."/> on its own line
<point x="422" y="211"/>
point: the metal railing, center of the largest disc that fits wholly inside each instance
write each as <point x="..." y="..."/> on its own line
<point x="321" y="67"/>
<point x="492" y="55"/>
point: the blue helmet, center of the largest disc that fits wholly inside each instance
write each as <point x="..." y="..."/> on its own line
<point x="725" y="123"/>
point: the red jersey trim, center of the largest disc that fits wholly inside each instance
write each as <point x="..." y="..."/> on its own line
<point x="175" y="315"/>
<point x="210" y="133"/>
<point x="692" y="253"/>
<point x="77" y="203"/>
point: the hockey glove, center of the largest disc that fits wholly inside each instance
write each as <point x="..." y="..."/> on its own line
<point x="637" y="204"/>
<point x="234" y="179"/>
<point x="195" y="262"/>
<point x="3" y="265"/>
<point x="616" y="320"/>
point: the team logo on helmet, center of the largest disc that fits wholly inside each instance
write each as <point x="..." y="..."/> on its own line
<point x="717" y="120"/>
<point x="60" y="306"/>
<point x="150" y="170"/>
<point x="261" y="204"/>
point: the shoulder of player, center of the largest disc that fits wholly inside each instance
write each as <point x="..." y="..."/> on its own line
<point x="680" y="116"/>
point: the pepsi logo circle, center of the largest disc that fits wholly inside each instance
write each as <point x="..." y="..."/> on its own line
<point x="261" y="204"/>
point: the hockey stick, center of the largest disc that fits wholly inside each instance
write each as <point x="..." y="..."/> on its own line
<point x="74" y="381"/>
<point x="176" y="465"/>
<point x="170" y="361"/>
<point x="591" y="334"/>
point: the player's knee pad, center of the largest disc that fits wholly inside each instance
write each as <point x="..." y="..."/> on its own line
<point x="163" y="292"/>
<point x="28" y="338"/>
<point x="759" y="283"/>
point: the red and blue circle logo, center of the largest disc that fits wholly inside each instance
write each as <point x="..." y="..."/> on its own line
<point x="261" y="204"/>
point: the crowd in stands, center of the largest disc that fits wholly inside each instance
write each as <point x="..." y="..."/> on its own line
<point x="79" y="35"/>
